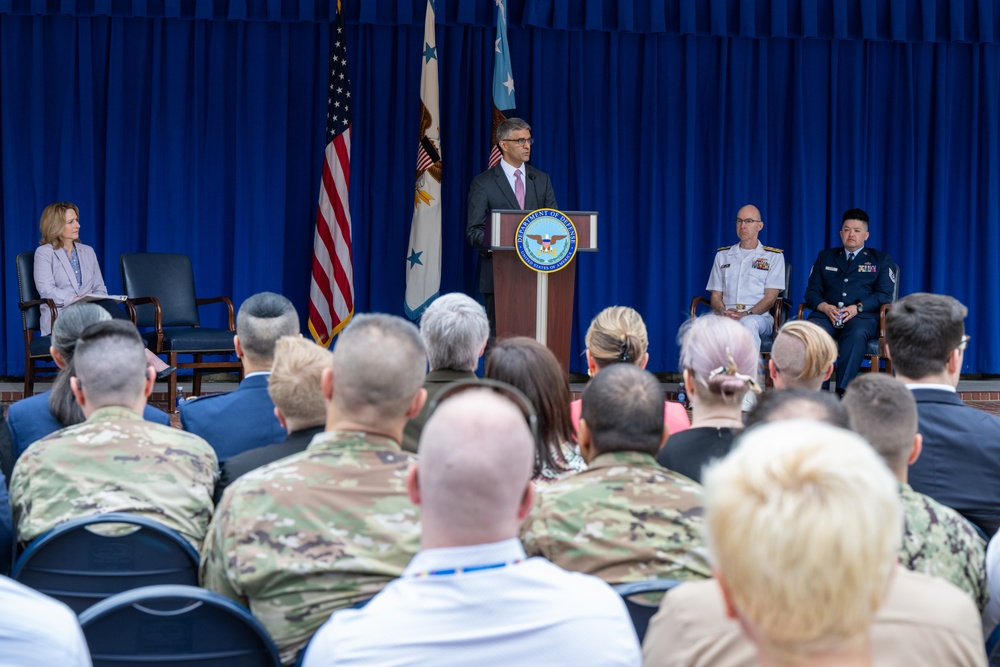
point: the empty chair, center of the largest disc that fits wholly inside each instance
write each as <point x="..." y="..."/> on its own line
<point x="178" y="626"/>
<point x="161" y="296"/>
<point x="79" y="567"/>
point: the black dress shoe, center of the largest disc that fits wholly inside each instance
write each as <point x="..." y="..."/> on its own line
<point x="166" y="372"/>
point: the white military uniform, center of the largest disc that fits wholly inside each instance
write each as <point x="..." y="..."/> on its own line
<point x="742" y="276"/>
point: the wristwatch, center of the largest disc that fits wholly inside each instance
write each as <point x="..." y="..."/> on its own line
<point x="861" y="306"/>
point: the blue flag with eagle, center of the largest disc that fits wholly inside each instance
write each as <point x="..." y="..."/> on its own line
<point x="423" y="263"/>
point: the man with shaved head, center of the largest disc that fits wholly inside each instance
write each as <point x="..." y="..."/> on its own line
<point x="802" y="356"/>
<point x="328" y="527"/>
<point x="115" y="461"/>
<point x="746" y="280"/>
<point x="470" y="596"/>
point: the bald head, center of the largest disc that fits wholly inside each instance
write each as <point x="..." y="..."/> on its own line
<point x="473" y="481"/>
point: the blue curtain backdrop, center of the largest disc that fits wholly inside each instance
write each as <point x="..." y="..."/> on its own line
<point x="196" y="126"/>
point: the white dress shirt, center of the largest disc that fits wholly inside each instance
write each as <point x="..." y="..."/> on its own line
<point x="36" y="630"/>
<point x="510" y="612"/>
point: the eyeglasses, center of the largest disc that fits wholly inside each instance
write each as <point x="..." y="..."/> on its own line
<point x="513" y="394"/>
<point x="521" y="142"/>
<point x="965" y="342"/>
<point x="746" y="221"/>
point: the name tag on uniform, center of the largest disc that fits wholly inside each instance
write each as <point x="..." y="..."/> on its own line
<point x="724" y="266"/>
<point x="867" y="267"/>
<point x="762" y="263"/>
<point x="831" y="268"/>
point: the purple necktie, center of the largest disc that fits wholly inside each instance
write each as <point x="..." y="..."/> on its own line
<point x="519" y="188"/>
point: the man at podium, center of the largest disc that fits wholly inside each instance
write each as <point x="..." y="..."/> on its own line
<point x="511" y="184"/>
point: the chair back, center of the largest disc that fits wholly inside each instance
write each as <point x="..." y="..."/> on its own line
<point x="641" y="611"/>
<point x="175" y="625"/>
<point x="169" y="278"/>
<point x="31" y="318"/>
<point x="80" y="567"/>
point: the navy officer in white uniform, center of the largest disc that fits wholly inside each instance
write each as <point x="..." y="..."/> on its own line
<point x="747" y="277"/>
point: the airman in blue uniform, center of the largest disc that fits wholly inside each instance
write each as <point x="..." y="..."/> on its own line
<point x="848" y="285"/>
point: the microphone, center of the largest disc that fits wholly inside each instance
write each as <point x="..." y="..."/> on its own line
<point x="531" y="176"/>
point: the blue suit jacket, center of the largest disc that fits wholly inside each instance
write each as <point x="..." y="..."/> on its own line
<point x="960" y="464"/>
<point x="234" y="422"/>
<point x="30" y="420"/>
<point x="867" y="281"/>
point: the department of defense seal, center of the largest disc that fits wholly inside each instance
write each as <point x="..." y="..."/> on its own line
<point x="546" y="240"/>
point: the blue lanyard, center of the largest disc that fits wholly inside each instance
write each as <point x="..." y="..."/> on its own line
<point x="465" y="570"/>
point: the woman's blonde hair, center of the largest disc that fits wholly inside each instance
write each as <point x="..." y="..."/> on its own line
<point x="617" y="335"/>
<point x="53" y="221"/>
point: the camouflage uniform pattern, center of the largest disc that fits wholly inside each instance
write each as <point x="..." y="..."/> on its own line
<point x="625" y="518"/>
<point x="312" y="533"/>
<point x="939" y="542"/>
<point x="115" y="461"/>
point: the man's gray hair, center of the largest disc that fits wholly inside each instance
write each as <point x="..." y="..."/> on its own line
<point x="510" y="126"/>
<point x="262" y="320"/>
<point x="110" y="363"/>
<point x="454" y="329"/>
<point x="379" y="364"/>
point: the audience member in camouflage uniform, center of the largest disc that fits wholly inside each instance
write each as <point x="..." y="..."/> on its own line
<point x="625" y="518"/>
<point x="115" y="461"/>
<point x="937" y="540"/>
<point x="326" y="528"/>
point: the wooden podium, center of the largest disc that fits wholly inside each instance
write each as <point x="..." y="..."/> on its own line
<point x="530" y="303"/>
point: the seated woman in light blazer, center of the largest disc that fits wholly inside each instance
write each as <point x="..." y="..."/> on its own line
<point x="66" y="270"/>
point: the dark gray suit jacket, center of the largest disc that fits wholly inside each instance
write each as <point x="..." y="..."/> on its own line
<point x="491" y="190"/>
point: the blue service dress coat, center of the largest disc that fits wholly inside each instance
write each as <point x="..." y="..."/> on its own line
<point x="868" y="282"/>
<point x="960" y="462"/>
<point x="55" y="279"/>
<point x="235" y="422"/>
<point x="491" y="190"/>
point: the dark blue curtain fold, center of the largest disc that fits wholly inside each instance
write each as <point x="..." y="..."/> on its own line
<point x="198" y="127"/>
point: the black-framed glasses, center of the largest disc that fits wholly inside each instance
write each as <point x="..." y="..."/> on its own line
<point x="746" y="221"/>
<point x="512" y="394"/>
<point x="521" y="142"/>
<point x="965" y="342"/>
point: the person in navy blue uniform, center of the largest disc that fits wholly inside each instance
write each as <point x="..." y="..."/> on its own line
<point x="244" y="419"/>
<point x="850" y="284"/>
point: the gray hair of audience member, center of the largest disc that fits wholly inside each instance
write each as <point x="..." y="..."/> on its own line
<point x="295" y="384"/>
<point x="788" y="404"/>
<point x="110" y="364"/>
<point x="379" y="364"/>
<point x="262" y="319"/>
<point x="721" y="356"/>
<point x="803" y="353"/>
<point x="476" y="461"/>
<point x="803" y="522"/>
<point x="622" y="407"/>
<point x="922" y="330"/>
<point x="510" y="126"/>
<point x="883" y="412"/>
<point x="72" y="320"/>
<point x="454" y="329"/>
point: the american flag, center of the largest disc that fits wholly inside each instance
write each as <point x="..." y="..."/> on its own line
<point x="331" y="294"/>
<point x="504" y="105"/>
